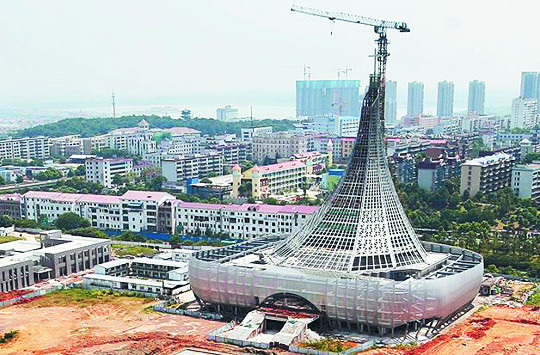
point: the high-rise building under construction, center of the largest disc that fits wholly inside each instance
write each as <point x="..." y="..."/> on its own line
<point x="327" y="98"/>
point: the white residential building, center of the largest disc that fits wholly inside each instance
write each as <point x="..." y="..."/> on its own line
<point x="239" y="221"/>
<point x="159" y="211"/>
<point x="25" y="148"/>
<point x="135" y="210"/>
<point x="103" y="170"/>
<point x="227" y="113"/>
<point x="248" y="133"/>
<point x="339" y="126"/>
<point x="188" y="167"/>
<point x="487" y="174"/>
<point x="526" y="181"/>
<point x="67" y="145"/>
<point x="279" y="145"/>
<point x="524" y="113"/>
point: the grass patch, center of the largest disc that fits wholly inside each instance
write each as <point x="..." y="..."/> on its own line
<point x="9" y="336"/>
<point x="81" y="297"/>
<point x="481" y="308"/>
<point x="327" y="344"/>
<point x="534" y="299"/>
<point x="7" y="239"/>
<point x="125" y="250"/>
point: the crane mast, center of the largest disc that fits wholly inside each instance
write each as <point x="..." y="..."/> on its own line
<point x="379" y="26"/>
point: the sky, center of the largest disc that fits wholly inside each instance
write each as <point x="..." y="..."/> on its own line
<point x="206" y="54"/>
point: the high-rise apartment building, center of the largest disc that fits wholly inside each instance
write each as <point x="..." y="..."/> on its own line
<point x="524" y="112"/>
<point x="227" y="113"/>
<point x="327" y="97"/>
<point x="477" y="96"/>
<point x="445" y="99"/>
<point x="415" y="99"/>
<point x="530" y="84"/>
<point x="390" y="102"/>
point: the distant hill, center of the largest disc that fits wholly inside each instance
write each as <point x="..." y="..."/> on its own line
<point x="96" y="126"/>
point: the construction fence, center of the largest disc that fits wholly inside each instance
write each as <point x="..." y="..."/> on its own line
<point x="29" y="296"/>
<point x="162" y="307"/>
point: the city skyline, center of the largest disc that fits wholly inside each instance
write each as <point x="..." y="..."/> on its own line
<point x="80" y="67"/>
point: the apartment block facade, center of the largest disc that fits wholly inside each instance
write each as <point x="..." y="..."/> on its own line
<point x="103" y="170"/>
<point x="487" y="174"/>
<point x="25" y="148"/>
<point x="177" y="170"/>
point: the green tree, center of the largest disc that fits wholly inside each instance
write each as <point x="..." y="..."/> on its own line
<point x="80" y="170"/>
<point x="6" y="221"/>
<point x="48" y="174"/>
<point x="92" y="232"/>
<point x="68" y="221"/>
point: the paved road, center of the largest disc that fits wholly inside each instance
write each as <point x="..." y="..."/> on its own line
<point x="28" y="184"/>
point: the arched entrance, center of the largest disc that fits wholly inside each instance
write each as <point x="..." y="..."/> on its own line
<point x="289" y="301"/>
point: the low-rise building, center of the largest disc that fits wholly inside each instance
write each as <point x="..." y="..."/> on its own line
<point x="135" y="210"/>
<point x="487" y="174"/>
<point x="526" y="180"/>
<point x="244" y="221"/>
<point x="147" y="275"/>
<point x="10" y="205"/>
<point x="57" y="255"/>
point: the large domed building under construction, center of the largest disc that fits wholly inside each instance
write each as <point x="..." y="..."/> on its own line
<point x="358" y="261"/>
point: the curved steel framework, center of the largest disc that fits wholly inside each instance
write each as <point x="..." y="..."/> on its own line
<point x="358" y="259"/>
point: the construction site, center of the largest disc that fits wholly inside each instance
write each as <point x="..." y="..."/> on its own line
<point x="357" y="265"/>
<point x="356" y="275"/>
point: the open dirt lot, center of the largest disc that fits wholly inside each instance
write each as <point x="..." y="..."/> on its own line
<point x="496" y="330"/>
<point x="119" y="326"/>
<point x="123" y="325"/>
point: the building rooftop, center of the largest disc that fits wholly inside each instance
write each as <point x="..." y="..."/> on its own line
<point x="71" y="242"/>
<point x="246" y="207"/>
<point x="133" y="280"/>
<point x="181" y="130"/>
<point x="265" y="169"/>
<point x="20" y="246"/>
<point x="487" y="160"/>
<point x="532" y="166"/>
<point x="71" y="197"/>
<point x="10" y="197"/>
<point x="146" y="195"/>
<point x="162" y="262"/>
<point x="114" y="263"/>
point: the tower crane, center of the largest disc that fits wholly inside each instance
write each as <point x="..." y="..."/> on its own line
<point x="379" y="26"/>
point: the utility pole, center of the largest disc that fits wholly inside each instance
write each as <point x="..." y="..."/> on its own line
<point x="345" y="71"/>
<point x="113" y="105"/>
<point x="307" y="72"/>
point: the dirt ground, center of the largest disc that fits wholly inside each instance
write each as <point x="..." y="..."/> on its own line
<point x="121" y="326"/>
<point x="496" y="330"/>
<point x="124" y="326"/>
